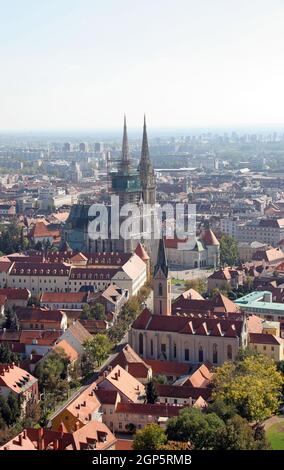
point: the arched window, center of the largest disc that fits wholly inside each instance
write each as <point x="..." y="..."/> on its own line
<point x="141" y="348"/>
<point x="175" y="350"/>
<point x="161" y="308"/>
<point x="152" y="347"/>
<point x="229" y="351"/>
<point x="160" y="289"/>
<point x="215" y="354"/>
<point x="200" y="354"/>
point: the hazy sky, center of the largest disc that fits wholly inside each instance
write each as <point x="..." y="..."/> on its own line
<point x="80" y="64"/>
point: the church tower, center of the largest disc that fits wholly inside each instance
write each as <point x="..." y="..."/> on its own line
<point x="146" y="170"/>
<point x="162" y="283"/>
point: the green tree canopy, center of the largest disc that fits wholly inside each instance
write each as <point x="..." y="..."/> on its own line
<point x="196" y="427"/>
<point x="98" y="348"/>
<point x="152" y="437"/>
<point x="200" y="285"/>
<point x="228" y="250"/>
<point x="98" y="312"/>
<point x="238" y="435"/>
<point x="253" y="385"/>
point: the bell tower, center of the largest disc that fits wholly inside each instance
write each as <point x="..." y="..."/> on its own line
<point x="162" y="283"/>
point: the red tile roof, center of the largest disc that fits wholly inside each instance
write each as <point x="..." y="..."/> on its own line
<point x="38" y="314"/>
<point x="16" y="379"/>
<point x="160" y="410"/>
<point x="175" y="391"/>
<point x="170" y="368"/>
<point x="209" y="238"/>
<point x="64" y="297"/>
<point x="15" y="294"/>
<point x="141" y="252"/>
<point x="40" y="337"/>
<point x="195" y="326"/>
<point x="263" y="338"/>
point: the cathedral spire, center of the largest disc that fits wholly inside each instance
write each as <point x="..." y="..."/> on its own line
<point x="147" y="174"/>
<point x="162" y="283"/>
<point x="145" y="148"/>
<point x="125" y="157"/>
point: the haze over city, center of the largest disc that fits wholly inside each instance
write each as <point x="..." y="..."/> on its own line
<point x="80" y="65"/>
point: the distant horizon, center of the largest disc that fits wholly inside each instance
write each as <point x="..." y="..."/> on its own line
<point x="153" y="132"/>
<point x="69" y="66"/>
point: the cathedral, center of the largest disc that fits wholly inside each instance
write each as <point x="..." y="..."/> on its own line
<point x="131" y="185"/>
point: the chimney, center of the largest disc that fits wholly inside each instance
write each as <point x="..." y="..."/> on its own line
<point x="24" y="434"/>
<point x="84" y="403"/>
<point x="77" y="425"/>
<point x="20" y="440"/>
<point x="90" y="417"/>
<point x="12" y="365"/>
<point x="118" y="373"/>
<point x="116" y="376"/>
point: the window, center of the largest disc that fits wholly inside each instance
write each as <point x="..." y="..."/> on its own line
<point x="120" y="425"/>
<point x="152" y="347"/>
<point x="141" y="348"/>
<point x="229" y="351"/>
<point x="200" y="354"/>
<point x="264" y="348"/>
<point x="215" y="354"/>
<point x="175" y="401"/>
<point x="272" y="348"/>
<point x="161" y="307"/>
<point x="175" y="350"/>
<point x="160" y="289"/>
<point x="186" y="354"/>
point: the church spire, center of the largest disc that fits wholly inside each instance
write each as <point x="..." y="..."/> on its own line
<point x="162" y="262"/>
<point x="145" y="147"/>
<point x="125" y="157"/>
<point x="162" y="283"/>
<point x="147" y="174"/>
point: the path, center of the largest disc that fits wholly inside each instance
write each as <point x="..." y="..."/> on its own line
<point x="273" y="420"/>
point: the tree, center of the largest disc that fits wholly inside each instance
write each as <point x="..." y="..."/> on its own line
<point x="228" y="250"/>
<point x="98" y="348"/>
<point x="98" y="312"/>
<point x="224" y="410"/>
<point x="85" y="314"/>
<point x="160" y="379"/>
<point x="200" y="285"/>
<point x="252" y="385"/>
<point x="11" y="320"/>
<point x="196" y="427"/>
<point x="6" y="355"/>
<point x="51" y="370"/>
<point x="175" y="445"/>
<point x="151" y="392"/>
<point x="238" y="435"/>
<point x="152" y="437"/>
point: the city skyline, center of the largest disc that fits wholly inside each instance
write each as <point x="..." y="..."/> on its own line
<point x="71" y="66"/>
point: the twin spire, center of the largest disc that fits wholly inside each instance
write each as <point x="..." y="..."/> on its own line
<point x="125" y="158"/>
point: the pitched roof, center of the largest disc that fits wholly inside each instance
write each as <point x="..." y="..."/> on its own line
<point x="202" y="377"/>
<point x="264" y="338"/>
<point x="38" y="314"/>
<point x="185" y="392"/>
<point x="3" y="299"/>
<point x="64" y="297"/>
<point x="170" y="368"/>
<point x="209" y="238"/>
<point x="157" y="409"/>
<point x="124" y="383"/>
<point x="40" y="337"/>
<point x="79" y="332"/>
<point x="107" y="397"/>
<point x="221" y="274"/>
<point x="128" y="358"/>
<point x="85" y="404"/>
<point x="16" y="379"/>
<point x="231" y="328"/>
<point x="19" y="442"/>
<point x="141" y="252"/>
<point x="67" y="348"/>
<point x="15" y="294"/>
